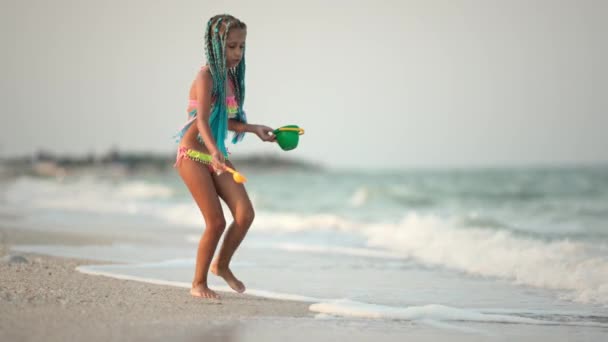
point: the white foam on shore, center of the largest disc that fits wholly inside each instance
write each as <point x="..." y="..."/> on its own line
<point x="430" y="312"/>
<point x="349" y="308"/>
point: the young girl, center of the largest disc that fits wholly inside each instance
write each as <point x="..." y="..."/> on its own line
<point x="215" y="106"/>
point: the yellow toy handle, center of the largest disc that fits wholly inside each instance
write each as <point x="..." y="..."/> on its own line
<point x="239" y="178"/>
<point x="293" y="129"/>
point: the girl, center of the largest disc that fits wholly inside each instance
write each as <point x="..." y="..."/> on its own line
<point x="215" y="106"/>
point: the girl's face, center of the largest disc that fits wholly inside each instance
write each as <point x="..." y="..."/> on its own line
<point x="235" y="46"/>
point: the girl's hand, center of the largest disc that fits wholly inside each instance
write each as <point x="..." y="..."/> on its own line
<point x="218" y="162"/>
<point x="264" y="132"/>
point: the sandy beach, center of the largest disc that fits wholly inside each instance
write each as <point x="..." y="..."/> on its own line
<point x="45" y="298"/>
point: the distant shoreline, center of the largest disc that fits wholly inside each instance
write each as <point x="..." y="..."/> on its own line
<point x="120" y="163"/>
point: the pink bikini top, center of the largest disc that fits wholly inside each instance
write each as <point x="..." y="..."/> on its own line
<point x="232" y="106"/>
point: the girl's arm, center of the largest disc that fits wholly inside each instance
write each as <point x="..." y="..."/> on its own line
<point x="263" y="132"/>
<point x="239" y="127"/>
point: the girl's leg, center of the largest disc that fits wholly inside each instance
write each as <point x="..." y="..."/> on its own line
<point x="235" y="196"/>
<point x="198" y="179"/>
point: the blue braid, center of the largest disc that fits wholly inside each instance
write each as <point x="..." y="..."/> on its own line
<point x="218" y="120"/>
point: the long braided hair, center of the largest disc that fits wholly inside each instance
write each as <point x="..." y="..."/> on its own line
<point x="216" y="34"/>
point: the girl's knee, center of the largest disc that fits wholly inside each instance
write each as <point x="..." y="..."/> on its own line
<point x="245" y="217"/>
<point x="217" y="225"/>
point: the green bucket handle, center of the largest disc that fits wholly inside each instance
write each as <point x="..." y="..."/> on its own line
<point x="293" y="129"/>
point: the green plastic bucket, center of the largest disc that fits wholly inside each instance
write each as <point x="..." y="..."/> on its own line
<point x="288" y="136"/>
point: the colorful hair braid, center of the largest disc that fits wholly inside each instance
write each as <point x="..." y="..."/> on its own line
<point x="218" y="28"/>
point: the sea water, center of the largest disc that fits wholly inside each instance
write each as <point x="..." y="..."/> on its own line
<point x="453" y="246"/>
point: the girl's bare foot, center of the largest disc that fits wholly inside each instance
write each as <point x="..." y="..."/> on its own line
<point x="226" y="273"/>
<point x="203" y="291"/>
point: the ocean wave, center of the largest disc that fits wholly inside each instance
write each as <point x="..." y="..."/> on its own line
<point x="324" y="249"/>
<point x="359" y="197"/>
<point x="292" y="222"/>
<point x="186" y="214"/>
<point x="578" y="267"/>
<point x="403" y="197"/>
<point x="476" y="220"/>
<point x="88" y="194"/>
<point x="143" y="190"/>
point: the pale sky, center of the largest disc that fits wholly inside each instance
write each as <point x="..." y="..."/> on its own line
<point x="373" y="83"/>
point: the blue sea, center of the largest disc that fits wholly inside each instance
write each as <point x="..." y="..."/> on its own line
<point x="454" y="248"/>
